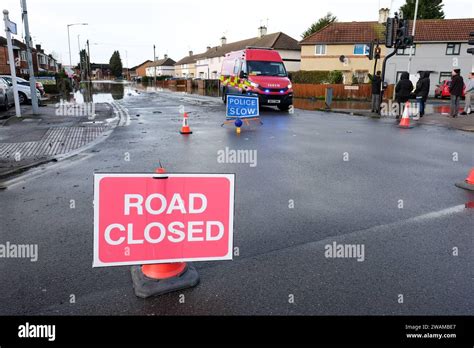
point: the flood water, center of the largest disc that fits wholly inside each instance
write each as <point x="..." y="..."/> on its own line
<point x="109" y="91"/>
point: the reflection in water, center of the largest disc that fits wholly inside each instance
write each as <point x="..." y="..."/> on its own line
<point x="313" y="104"/>
<point x="99" y="92"/>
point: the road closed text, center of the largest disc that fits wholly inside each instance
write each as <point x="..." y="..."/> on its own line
<point x="156" y="232"/>
<point x="140" y="219"/>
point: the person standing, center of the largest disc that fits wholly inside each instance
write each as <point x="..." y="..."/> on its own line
<point x="403" y="91"/>
<point x="422" y="90"/>
<point x="469" y="93"/>
<point x="455" y="88"/>
<point x="376" y="86"/>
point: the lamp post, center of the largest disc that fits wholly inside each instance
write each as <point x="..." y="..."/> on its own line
<point x="69" y="39"/>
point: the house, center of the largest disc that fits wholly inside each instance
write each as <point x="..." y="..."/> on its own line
<point x="208" y="66"/>
<point x="161" y="67"/>
<point x="186" y="67"/>
<point x="344" y="46"/>
<point x="440" y="46"/>
<point x="140" y="70"/>
<point x="101" y="71"/>
<point x="42" y="63"/>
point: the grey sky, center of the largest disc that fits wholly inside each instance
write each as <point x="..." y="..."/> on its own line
<point x="133" y="26"/>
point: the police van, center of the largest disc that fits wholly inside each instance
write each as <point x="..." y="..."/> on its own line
<point x="258" y="72"/>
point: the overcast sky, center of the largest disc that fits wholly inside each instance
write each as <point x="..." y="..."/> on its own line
<point x="178" y="26"/>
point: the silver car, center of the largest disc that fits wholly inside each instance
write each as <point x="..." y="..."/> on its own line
<point x="24" y="90"/>
<point x="6" y="94"/>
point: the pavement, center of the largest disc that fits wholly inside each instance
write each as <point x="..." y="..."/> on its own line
<point x="32" y="140"/>
<point x="353" y="180"/>
<point x="437" y="114"/>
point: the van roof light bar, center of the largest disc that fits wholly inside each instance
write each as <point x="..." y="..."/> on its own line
<point x="259" y="48"/>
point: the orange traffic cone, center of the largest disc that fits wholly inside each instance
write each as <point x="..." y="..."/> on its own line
<point x="185" y="129"/>
<point x="467" y="184"/>
<point x="159" y="279"/>
<point x="405" y="121"/>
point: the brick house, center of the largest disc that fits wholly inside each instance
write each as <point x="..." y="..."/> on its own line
<point x="140" y="70"/>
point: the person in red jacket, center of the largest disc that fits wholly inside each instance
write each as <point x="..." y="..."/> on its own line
<point x="455" y="88"/>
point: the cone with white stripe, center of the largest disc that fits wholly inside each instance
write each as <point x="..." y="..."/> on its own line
<point x="185" y="129"/>
<point x="405" y="121"/>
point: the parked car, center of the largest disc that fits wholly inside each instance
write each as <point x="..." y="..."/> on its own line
<point x="442" y="90"/>
<point x="24" y="90"/>
<point x="257" y="72"/>
<point x="6" y="94"/>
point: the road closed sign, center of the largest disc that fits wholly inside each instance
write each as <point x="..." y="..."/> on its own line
<point x="239" y="106"/>
<point x="150" y="218"/>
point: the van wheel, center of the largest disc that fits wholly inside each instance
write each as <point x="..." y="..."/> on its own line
<point x="284" y="107"/>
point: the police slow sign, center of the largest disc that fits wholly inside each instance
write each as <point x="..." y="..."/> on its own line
<point x="239" y="106"/>
<point x="145" y="219"/>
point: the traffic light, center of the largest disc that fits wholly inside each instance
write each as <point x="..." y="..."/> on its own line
<point x="371" y="50"/>
<point x="471" y="43"/>
<point x="402" y="33"/>
<point x="389" y="27"/>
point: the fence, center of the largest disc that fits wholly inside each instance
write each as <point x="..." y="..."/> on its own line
<point x="343" y="92"/>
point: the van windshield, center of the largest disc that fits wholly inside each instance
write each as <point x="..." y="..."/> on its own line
<point x="266" y="68"/>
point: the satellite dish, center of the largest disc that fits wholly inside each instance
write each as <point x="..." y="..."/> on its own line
<point x="342" y="58"/>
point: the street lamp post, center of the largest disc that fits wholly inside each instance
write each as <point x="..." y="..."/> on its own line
<point x="69" y="39"/>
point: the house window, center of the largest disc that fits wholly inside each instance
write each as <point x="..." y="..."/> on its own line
<point x="444" y="75"/>
<point x="361" y="49"/>
<point x="360" y="75"/>
<point x="23" y="55"/>
<point x="453" y="49"/>
<point x="320" y="50"/>
<point x="406" y="51"/>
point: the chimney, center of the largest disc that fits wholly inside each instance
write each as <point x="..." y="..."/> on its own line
<point x="208" y="48"/>
<point x="223" y="41"/>
<point x="166" y="56"/>
<point x="38" y="47"/>
<point x="190" y="53"/>
<point x="262" y="31"/>
<point x="383" y="15"/>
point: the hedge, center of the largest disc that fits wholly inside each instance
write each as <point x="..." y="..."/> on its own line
<point x="317" y="77"/>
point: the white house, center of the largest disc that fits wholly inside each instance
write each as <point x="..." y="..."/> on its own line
<point x="164" y="67"/>
<point x="208" y="65"/>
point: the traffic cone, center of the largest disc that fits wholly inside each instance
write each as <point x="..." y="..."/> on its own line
<point x="405" y="121"/>
<point x="467" y="184"/>
<point x="185" y="129"/>
<point x="159" y="279"/>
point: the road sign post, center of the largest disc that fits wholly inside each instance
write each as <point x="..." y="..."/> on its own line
<point x="10" y="28"/>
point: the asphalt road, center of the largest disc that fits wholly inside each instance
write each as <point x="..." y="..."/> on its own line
<point x="408" y="251"/>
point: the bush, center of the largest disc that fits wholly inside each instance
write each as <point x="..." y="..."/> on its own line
<point x="51" y="89"/>
<point x="317" y="77"/>
<point x="336" y="77"/>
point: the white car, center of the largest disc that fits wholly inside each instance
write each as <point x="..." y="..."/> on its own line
<point x="24" y="91"/>
<point x="6" y="94"/>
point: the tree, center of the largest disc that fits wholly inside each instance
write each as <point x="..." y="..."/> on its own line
<point x="116" y="64"/>
<point x="427" y="9"/>
<point x="319" y="24"/>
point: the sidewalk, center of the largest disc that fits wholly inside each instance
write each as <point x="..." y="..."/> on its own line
<point x="441" y="119"/>
<point x="33" y="140"/>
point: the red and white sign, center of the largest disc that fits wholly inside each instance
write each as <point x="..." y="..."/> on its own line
<point x="146" y="219"/>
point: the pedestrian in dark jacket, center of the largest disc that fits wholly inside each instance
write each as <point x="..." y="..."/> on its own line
<point x="422" y="90"/>
<point x="376" y="86"/>
<point x="403" y="90"/>
<point x="455" y="89"/>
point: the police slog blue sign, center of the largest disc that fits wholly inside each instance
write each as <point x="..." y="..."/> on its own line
<point x="239" y="106"/>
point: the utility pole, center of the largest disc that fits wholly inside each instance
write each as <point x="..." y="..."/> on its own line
<point x="29" y="58"/>
<point x="80" y="58"/>
<point x="154" y="61"/>
<point x="413" y="34"/>
<point x="8" y="30"/>
<point x="89" y="76"/>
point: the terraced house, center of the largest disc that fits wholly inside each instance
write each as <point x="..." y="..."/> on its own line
<point x="207" y="65"/>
